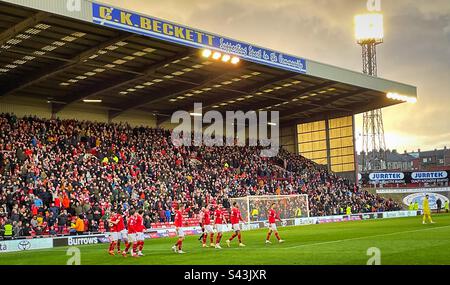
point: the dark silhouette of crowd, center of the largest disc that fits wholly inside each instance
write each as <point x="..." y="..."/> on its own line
<point x="53" y="171"/>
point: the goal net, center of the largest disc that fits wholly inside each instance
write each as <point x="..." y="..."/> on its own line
<point x="256" y="208"/>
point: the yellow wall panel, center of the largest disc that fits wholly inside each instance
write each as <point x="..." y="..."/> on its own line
<point x="313" y="145"/>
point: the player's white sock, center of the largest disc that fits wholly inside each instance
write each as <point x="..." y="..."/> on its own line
<point x="174" y="248"/>
<point x="218" y="246"/>
<point x="281" y="241"/>
<point x="268" y="241"/>
<point x="212" y="244"/>
<point x="241" y="245"/>
<point x="228" y="242"/>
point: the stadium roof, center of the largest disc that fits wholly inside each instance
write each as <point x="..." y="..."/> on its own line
<point x="67" y="51"/>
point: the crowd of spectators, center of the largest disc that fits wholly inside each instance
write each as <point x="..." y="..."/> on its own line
<point x="53" y="171"/>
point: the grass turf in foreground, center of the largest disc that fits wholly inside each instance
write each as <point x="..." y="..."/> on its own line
<point x="401" y="241"/>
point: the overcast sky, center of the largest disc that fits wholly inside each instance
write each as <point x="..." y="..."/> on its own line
<point x="416" y="49"/>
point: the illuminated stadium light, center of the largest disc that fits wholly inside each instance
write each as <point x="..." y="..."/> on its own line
<point x="68" y="39"/>
<point x="235" y="60"/>
<point x="396" y="96"/>
<point x="14" y="41"/>
<point x="139" y="53"/>
<point x="412" y="100"/>
<point x="23" y="36"/>
<point x="226" y="58"/>
<point x="369" y="28"/>
<point x="92" y="101"/>
<point x="42" y="26"/>
<point x="216" y="55"/>
<point x="78" y="34"/>
<point x="206" y="53"/>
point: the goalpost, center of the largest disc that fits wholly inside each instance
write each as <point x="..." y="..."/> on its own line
<point x="255" y="208"/>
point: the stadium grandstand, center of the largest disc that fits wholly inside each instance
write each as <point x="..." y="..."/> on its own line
<point x="87" y="93"/>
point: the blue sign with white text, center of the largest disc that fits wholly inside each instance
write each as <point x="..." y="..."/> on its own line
<point x="135" y="23"/>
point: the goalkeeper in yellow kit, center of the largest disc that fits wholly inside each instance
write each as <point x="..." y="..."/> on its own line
<point x="426" y="210"/>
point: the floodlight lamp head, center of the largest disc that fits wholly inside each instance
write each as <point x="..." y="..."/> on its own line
<point x="369" y="28"/>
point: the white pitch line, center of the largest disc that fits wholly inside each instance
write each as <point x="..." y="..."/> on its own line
<point x="358" y="238"/>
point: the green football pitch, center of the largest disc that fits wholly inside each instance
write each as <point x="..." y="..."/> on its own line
<point x="401" y="241"/>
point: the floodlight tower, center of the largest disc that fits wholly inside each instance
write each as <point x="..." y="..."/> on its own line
<point x="369" y="33"/>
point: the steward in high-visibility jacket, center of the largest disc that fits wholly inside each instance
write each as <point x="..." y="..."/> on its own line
<point x="348" y="211"/>
<point x="8" y="230"/>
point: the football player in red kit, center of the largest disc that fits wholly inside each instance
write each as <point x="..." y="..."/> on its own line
<point x="114" y="237"/>
<point x="178" y="247"/>
<point x="273" y="217"/>
<point x="235" y="219"/>
<point x="118" y="231"/>
<point x="132" y="225"/>
<point x="219" y="222"/>
<point x="140" y="229"/>
<point x="206" y="221"/>
<point x="200" y="223"/>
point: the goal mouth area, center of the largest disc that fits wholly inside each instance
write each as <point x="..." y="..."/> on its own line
<point x="256" y="208"/>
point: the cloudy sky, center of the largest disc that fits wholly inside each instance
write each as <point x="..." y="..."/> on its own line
<point x="416" y="49"/>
